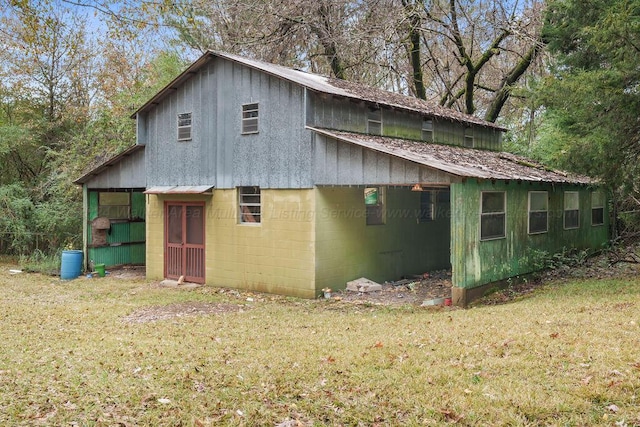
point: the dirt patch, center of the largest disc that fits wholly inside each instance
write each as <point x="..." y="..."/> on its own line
<point x="184" y="309"/>
<point x="413" y="291"/>
<point x="127" y="272"/>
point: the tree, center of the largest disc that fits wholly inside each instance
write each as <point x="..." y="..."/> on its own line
<point x="592" y="99"/>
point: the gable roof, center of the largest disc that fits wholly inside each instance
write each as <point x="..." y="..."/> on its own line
<point x="331" y="86"/>
<point x="460" y="161"/>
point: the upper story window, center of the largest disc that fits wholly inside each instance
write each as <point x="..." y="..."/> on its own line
<point x="374" y="204"/>
<point x="597" y="208"/>
<point x="250" y="118"/>
<point x="184" y="126"/>
<point x="538" y="212"/>
<point x="374" y="121"/>
<point x="468" y="138"/>
<point x="249" y="205"/>
<point x="493" y="215"/>
<point x="427" y="130"/>
<point x="571" y="209"/>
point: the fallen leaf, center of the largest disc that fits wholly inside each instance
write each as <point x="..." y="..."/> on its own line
<point x="330" y="359"/>
<point x="451" y="416"/>
<point x="378" y="345"/>
<point x="613" y="408"/>
<point x="586" y="380"/>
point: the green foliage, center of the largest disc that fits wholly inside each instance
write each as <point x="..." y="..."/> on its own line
<point x="567" y="258"/>
<point x="593" y="97"/>
<point x="16" y="218"/>
<point x="41" y="262"/>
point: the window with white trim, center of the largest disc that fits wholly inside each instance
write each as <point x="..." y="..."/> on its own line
<point x="184" y="126"/>
<point x="250" y="118"/>
<point x="427" y="206"/>
<point x="374" y="205"/>
<point x="427" y="130"/>
<point x="538" y="212"/>
<point x="493" y="215"/>
<point x="374" y="121"/>
<point x="571" y="209"/>
<point x="597" y="208"/>
<point x="249" y="204"/>
<point x="468" y="138"/>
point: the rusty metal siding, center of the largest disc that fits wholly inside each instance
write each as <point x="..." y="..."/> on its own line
<point x="476" y="262"/>
<point x="127" y="173"/>
<point x="340" y="163"/>
<point x="218" y="154"/>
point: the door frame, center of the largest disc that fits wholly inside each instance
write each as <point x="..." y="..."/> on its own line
<point x="184" y="244"/>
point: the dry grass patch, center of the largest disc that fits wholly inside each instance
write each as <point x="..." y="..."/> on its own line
<point x="564" y="356"/>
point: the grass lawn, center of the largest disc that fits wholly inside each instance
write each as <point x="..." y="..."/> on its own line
<point x="86" y="352"/>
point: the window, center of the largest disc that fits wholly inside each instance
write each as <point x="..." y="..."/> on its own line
<point x="249" y="203"/>
<point x="493" y="215"/>
<point x="184" y="126"/>
<point x="468" y="138"/>
<point x="250" y="118"/>
<point x="114" y="205"/>
<point x="571" y="209"/>
<point x="427" y="130"/>
<point x="538" y="212"/>
<point x="597" y="208"/>
<point x="374" y="122"/>
<point x="374" y="204"/>
<point x="426" y="206"/>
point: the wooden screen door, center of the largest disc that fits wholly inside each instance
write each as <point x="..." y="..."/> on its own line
<point x="184" y="241"/>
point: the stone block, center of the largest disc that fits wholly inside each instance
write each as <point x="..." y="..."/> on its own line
<point x="363" y="285"/>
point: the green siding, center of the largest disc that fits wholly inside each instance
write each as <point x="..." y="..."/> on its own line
<point x="125" y="239"/>
<point x="476" y="262"/>
<point x="347" y="248"/>
<point x="347" y="115"/>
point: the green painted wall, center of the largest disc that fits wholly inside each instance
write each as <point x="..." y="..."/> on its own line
<point x="476" y="262"/>
<point x="126" y="239"/>
<point x="343" y="114"/>
<point x="347" y="248"/>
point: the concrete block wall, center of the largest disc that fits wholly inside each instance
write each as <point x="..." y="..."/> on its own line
<point x="275" y="256"/>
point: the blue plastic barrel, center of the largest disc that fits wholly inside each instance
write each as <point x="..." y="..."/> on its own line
<point x="71" y="264"/>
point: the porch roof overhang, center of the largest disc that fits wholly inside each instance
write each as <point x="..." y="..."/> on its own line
<point x="180" y="189"/>
<point x="460" y="161"/>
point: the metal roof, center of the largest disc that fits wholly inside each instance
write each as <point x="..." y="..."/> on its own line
<point x="327" y="85"/>
<point x="101" y="167"/>
<point x="460" y="161"/>
<point x="180" y="189"/>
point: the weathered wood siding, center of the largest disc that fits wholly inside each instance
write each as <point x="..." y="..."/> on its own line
<point x="329" y="112"/>
<point x="340" y="163"/>
<point x="476" y="262"/>
<point x="218" y="154"/>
